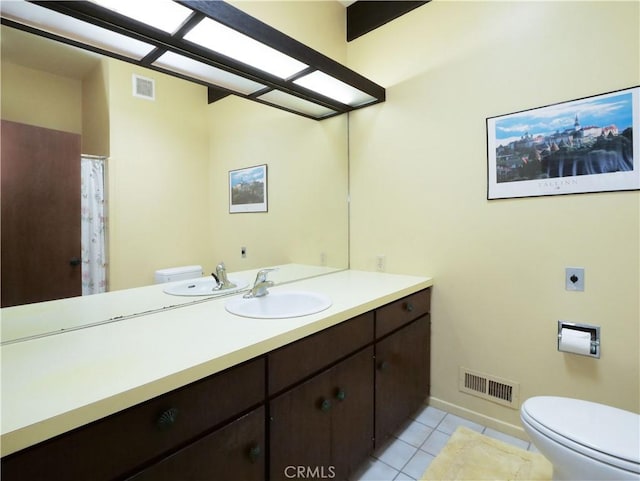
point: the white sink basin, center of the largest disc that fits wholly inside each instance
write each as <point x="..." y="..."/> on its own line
<point x="204" y="287"/>
<point x="279" y="305"/>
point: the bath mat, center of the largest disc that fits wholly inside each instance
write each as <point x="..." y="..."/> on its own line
<point x="471" y="456"/>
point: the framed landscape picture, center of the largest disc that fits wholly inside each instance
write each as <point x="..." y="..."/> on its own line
<point x="248" y="189"/>
<point x="584" y="145"/>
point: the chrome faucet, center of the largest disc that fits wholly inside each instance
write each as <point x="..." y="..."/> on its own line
<point x="221" y="278"/>
<point x="261" y="284"/>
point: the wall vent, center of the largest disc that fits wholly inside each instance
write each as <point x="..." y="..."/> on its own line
<point x="144" y="87"/>
<point x="488" y="387"/>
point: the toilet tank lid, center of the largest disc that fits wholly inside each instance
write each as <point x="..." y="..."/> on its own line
<point x="172" y="271"/>
<point x="610" y="430"/>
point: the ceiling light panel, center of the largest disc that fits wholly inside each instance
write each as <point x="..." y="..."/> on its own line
<point x="71" y="28"/>
<point x="193" y="68"/>
<point x="226" y="41"/>
<point x="335" y="89"/>
<point x="165" y="15"/>
<point x="296" y="103"/>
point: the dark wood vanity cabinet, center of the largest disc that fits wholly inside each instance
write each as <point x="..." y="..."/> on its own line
<point x="402" y="361"/>
<point x="402" y="377"/>
<point x="120" y="445"/>
<point x="324" y="425"/>
<point x="323" y="421"/>
<point x="331" y="422"/>
<point x="315" y="408"/>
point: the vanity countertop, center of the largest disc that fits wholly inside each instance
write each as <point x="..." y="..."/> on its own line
<point x="55" y="383"/>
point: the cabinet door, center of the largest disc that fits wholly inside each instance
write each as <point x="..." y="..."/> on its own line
<point x="352" y="413"/>
<point x="323" y="427"/>
<point x="402" y="376"/>
<point x="233" y="452"/>
<point x="300" y="434"/>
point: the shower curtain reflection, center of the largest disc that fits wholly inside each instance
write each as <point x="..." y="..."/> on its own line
<point x="93" y="220"/>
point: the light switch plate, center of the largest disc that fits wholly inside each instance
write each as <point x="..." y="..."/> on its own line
<point x="574" y="278"/>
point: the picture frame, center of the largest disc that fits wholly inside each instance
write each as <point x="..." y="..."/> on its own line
<point x="585" y="145"/>
<point x="248" y="189"/>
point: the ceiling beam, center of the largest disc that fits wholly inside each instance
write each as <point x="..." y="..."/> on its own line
<point x="364" y="16"/>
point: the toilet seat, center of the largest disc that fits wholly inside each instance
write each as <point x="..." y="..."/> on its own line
<point x="605" y="433"/>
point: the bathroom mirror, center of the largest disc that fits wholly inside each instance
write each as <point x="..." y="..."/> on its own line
<point x="169" y="158"/>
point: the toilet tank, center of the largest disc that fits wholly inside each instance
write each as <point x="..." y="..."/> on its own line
<point x="177" y="274"/>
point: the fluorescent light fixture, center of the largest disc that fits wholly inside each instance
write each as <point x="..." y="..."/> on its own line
<point x="193" y="68"/>
<point x="333" y="88"/>
<point x="74" y="29"/>
<point x="226" y="41"/>
<point x="209" y="42"/>
<point x="296" y="103"/>
<point x="165" y="15"/>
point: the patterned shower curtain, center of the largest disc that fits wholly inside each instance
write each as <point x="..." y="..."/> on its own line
<point x="94" y="253"/>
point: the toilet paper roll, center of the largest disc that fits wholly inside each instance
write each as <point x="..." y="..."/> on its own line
<point x="575" y="341"/>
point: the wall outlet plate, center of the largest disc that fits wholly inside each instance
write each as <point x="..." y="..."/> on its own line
<point x="574" y="278"/>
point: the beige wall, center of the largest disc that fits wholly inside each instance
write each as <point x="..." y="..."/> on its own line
<point x="307" y="186"/>
<point x="159" y="209"/>
<point x="320" y="25"/>
<point x="40" y="98"/>
<point x="95" y="111"/>
<point x="418" y="187"/>
<point x="307" y="160"/>
<point x="179" y="147"/>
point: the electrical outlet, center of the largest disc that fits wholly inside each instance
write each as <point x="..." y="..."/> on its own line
<point x="380" y="263"/>
<point x="574" y="278"/>
<point x="243" y="252"/>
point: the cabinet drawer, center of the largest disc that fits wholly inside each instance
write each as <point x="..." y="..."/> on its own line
<point x="115" y="445"/>
<point x="294" y="362"/>
<point x="236" y="451"/>
<point x="402" y="311"/>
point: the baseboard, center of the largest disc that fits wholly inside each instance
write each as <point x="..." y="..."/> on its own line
<point x="474" y="416"/>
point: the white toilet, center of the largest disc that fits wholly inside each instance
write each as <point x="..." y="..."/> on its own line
<point x="177" y="274"/>
<point x="584" y="440"/>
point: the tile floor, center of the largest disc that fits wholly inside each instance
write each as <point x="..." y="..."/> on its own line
<point x="408" y="453"/>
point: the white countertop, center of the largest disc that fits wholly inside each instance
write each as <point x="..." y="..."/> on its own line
<point x="43" y="318"/>
<point x="55" y="383"/>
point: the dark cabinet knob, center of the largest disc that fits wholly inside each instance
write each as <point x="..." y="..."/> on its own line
<point x="408" y="307"/>
<point x="383" y="365"/>
<point x="254" y="453"/>
<point x="341" y="394"/>
<point x="167" y="419"/>
<point x="75" y="261"/>
<point x="325" y="405"/>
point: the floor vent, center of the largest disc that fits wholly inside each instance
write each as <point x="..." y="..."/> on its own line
<point x="144" y="87"/>
<point x="488" y="387"/>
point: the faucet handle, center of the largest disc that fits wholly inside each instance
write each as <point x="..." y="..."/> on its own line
<point x="261" y="284"/>
<point x="263" y="273"/>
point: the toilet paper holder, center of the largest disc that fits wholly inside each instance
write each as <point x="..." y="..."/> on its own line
<point x="594" y="333"/>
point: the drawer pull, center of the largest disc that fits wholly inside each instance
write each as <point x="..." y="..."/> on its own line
<point x="384" y="365"/>
<point x="325" y="405"/>
<point x="341" y="394"/>
<point x="254" y="453"/>
<point x="408" y="307"/>
<point x="167" y="419"/>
